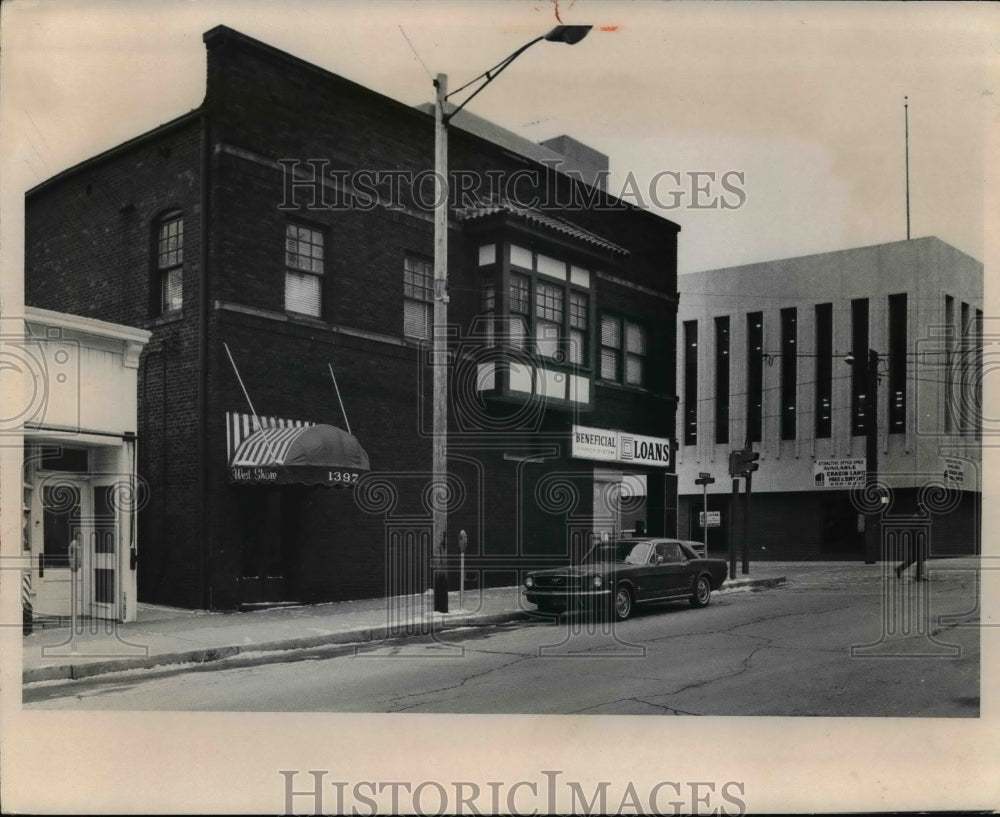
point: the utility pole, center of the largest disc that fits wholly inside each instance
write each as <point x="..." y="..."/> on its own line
<point x="734" y="503"/>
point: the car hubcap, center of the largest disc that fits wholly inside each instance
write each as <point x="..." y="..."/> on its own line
<point x="703" y="590"/>
<point x="623" y="603"/>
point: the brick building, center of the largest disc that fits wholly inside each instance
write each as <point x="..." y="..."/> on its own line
<point x="276" y="242"/>
<point x="762" y="359"/>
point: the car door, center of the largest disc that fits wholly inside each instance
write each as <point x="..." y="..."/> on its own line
<point x="673" y="568"/>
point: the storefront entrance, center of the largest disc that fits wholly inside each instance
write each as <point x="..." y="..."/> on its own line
<point x="75" y="515"/>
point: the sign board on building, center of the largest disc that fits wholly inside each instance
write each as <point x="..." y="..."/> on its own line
<point x="954" y="472"/>
<point x="619" y="446"/>
<point x="842" y="473"/>
<point x="714" y="519"/>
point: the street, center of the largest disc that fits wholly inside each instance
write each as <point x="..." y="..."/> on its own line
<point x="782" y="651"/>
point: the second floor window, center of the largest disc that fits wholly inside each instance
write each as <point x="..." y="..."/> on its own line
<point x="623" y="351"/>
<point x="303" y="270"/>
<point x="418" y="297"/>
<point x="170" y="262"/>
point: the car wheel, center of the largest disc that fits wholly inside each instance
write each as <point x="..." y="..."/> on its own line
<point x="622" y="603"/>
<point x="702" y="592"/>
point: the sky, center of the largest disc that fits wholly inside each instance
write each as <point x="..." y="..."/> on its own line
<point x="801" y="104"/>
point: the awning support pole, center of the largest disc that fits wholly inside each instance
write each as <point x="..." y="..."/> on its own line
<point x="342" y="411"/>
<point x="253" y="411"/>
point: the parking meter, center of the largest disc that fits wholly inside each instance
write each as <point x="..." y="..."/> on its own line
<point x="74" y="554"/>
<point x="463" y="541"/>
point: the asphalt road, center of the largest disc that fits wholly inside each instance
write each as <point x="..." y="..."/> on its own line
<point x="852" y="645"/>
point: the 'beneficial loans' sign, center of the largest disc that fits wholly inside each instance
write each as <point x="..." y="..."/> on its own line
<point x="620" y="446"/>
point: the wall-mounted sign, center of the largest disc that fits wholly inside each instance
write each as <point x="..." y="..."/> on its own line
<point x="954" y="472"/>
<point x="714" y="519"/>
<point x="843" y="473"/>
<point x="619" y="446"/>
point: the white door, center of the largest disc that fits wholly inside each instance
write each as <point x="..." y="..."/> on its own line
<point x="52" y="530"/>
<point x="101" y="556"/>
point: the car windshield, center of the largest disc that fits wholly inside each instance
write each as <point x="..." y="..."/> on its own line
<point x="639" y="554"/>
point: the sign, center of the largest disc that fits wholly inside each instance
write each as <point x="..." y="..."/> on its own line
<point x="954" y="471"/>
<point x="333" y="476"/>
<point x="619" y="446"/>
<point x="845" y="473"/>
<point x="714" y="519"/>
<point x="594" y="444"/>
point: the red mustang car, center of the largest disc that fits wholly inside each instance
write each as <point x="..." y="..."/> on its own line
<point x="626" y="572"/>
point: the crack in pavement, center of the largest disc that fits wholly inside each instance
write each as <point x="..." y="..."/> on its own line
<point x="635" y="699"/>
<point x="398" y="706"/>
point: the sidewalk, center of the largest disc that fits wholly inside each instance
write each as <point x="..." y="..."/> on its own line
<point x="168" y="636"/>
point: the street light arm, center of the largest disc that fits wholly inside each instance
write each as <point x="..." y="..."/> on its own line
<point x="570" y="35"/>
<point x="488" y="76"/>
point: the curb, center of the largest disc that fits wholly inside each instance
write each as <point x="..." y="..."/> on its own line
<point x="73" y="672"/>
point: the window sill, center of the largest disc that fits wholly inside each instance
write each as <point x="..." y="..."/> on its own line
<point x="166" y="318"/>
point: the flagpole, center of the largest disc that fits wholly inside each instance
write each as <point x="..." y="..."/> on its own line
<point x="906" y="129"/>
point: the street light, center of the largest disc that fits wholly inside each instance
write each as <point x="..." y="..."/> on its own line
<point x="560" y="34"/>
<point x="871" y="364"/>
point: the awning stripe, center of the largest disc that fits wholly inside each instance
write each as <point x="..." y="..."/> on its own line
<point x="269" y="446"/>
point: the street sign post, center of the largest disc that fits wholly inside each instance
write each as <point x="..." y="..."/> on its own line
<point x="705" y="479"/>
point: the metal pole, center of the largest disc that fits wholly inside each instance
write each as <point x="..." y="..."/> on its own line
<point x="732" y="527"/>
<point x="439" y="455"/>
<point x="746" y="524"/>
<point x="705" y="518"/>
<point x="461" y="583"/>
<point x="871" y="455"/>
<point x="906" y="126"/>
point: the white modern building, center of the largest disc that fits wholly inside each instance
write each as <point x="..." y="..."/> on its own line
<point x="762" y="359"/>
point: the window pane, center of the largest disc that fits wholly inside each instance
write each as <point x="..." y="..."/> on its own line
<point x="418" y="279"/>
<point x="170" y="245"/>
<point x="635" y="338"/>
<point x="547" y="338"/>
<point x="417" y="317"/>
<point x="487" y="254"/>
<point x="302" y="293"/>
<point x="609" y="364"/>
<point x="611" y="333"/>
<point x="518" y="333"/>
<point x="304" y="249"/>
<point x="579" y="277"/>
<point x="633" y="370"/>
<point x="171" y="294"/>
<point x="577" y="310"/>
<point x="520" y="257"/>
<point x="519" y="288"/>
<point x="550" y="266"/>
<point x="577" y="345"/>
<point x="549" y="302"/>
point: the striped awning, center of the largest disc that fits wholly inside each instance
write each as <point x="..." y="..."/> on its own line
<point x="304" y="455"/>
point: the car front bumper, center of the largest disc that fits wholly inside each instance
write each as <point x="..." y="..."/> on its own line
<point x="565" y="597"/>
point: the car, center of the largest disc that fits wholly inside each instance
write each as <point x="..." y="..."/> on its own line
<point x="621" y="574"/>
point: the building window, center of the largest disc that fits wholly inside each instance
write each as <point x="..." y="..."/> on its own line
<point x="623" y="351"/>
<point x="579" y="312"/>
<point x="418" y="298"/>
<point x="897" y="363"/>
<point x="977" y="418"/>
<point x="859" y="348"/>
<point x="548" y="318"/>
<point x="635" y="354"/>
<point x="755" y="376"/>
<point x="303" y="270"/>
<point x="520" y="301"/>
<point x="789" y="372"/>
<point x="489" y="307"/>
<point x="824" y="370"/>
<point x="611" y="348"/>
<point x="170" y="262"/>
<point x="722" y="380"/>
<point x="690" y="382"/>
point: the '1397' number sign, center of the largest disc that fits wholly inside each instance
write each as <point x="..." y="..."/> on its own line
<point x="342" y="478"/>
